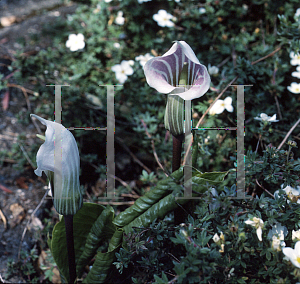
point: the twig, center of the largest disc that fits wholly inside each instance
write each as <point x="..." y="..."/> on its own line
<point x="173" y="280"/>
<point x="31" y="216"/>
<point x="115" y="202"/>
<point x="153" y="148"/>
<point x="133" y="156"/>
<point x="224" y="90"/>
<point x="125" y="184"/>
<point x="130" y="195"/>
<point x="278" y="107"/>
<point x="288" y="134"/>
<point x="269" y="55"/>
<point x="5" y="189"/>
<point x="26" y="156"/>
<point x="176" y="259"/>
<point x="24" y="92"/>
<point x="223" y="62"/>
<point x="3" y="219"/>
<point x="264" y="188"/>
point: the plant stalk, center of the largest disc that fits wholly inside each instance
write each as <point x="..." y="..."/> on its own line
<point x="181" y="212"/>
<point x="177" y="146"/>
<point x="70" y="247"/>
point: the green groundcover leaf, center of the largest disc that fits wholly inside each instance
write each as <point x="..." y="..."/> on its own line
<point x="201" y="180"/>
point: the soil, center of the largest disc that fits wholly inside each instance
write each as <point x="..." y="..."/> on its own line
<point x="21" y="190"/>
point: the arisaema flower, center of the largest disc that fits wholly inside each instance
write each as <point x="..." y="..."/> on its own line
<point x="164" y="73"/>
<point x="179" y="74"/>
<point x="61" y="165"/>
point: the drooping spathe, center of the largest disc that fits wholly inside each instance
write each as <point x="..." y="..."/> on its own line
<point x="64" y="180"/>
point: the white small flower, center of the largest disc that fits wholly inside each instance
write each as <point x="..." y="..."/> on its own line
<point x="295" y="58"/>
<point x="294" y="87"/>
<point x="297" y="14"/>
<point x="245" y="7"/>
<point x="264" y="117"/>
<point x="123" y="70"/>
<point x="141" y="1"/>
<point x="292" y="193"/>
<point x="221" y="105"/>
<point x="258" y="224"/>
<point x="120" y="19"/>
<point x="276" y="243"/>
<point x="212" y="70"/>
<point x="143" y="58"/>
<point x="293" y="255"/>
<point x="296" y="74"/>
<point x="277" y="234"/>
<point x="107" y="1"/>
<point x="75" y="42"/>
<point x="117" y="45"/>
<point x="202" y="10"/>
<point x="296" y="235"/>
<point x="216" y="238"/>
<point x="163" y="19"/>
<point x="222" y="248"/>
<point x="222" y="238"/>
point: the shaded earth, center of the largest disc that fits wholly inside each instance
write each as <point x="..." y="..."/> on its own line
<point x="21" y="190"/>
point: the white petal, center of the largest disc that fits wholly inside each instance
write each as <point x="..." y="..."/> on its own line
<point x="259" y="233"/>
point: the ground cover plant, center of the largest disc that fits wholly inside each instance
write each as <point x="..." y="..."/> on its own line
<point x="220" y="239"/>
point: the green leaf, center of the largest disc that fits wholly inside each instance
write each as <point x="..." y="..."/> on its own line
<point x="146" y="201"/>
<point x="157" y="210"/>
<point x="103" y="261"/>
<point x="101" y="229"/>
<point x="82" y="222"/>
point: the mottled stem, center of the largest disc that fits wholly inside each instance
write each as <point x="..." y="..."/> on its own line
<point x="70" y="247"/>
<point x="177" y="146"/>
<point x="180" y="212"/>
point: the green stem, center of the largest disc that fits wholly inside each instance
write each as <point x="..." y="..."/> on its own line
<point x="70" y="247"/>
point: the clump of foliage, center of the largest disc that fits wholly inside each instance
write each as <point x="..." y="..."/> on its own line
<point x="249" y="43"/>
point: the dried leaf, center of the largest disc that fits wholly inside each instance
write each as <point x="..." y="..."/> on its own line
<point x="5" y="101"/>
